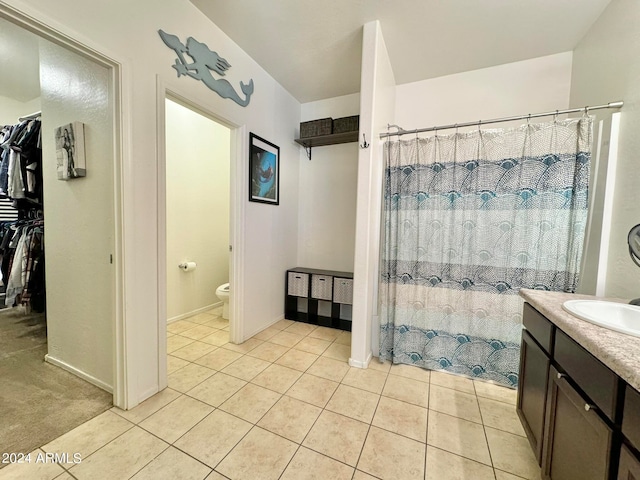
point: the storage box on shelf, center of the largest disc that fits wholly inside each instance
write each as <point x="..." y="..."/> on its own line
<point x="346" y="124"/>
<point x="319" y="297"/>
<point x="316" y="128"/>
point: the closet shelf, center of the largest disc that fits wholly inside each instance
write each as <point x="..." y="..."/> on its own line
<point x="331" y="139"/>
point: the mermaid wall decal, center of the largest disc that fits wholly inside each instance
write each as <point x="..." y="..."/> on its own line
<point x="205" y="61"/>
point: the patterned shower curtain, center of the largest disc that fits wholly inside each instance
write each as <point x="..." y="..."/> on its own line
<point x="471" y="218"/>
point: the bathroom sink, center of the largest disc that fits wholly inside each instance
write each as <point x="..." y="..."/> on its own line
<point x="620" y="317"/>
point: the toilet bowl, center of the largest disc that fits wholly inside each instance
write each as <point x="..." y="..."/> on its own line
<point x="223" y="294"/>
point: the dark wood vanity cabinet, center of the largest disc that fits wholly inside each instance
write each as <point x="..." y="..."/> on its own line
<point x="581" y="419"/>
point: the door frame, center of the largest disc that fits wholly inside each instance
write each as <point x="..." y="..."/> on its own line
<point x="120" y="89"/>
<point x="238" y="171"/>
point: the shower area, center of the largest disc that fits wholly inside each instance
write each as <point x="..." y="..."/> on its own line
<point x="469" y="219"/>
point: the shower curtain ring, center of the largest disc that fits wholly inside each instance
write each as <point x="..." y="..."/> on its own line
<point x="555" y="117"/>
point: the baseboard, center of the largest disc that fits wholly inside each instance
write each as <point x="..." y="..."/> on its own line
<point x="357" y="364"/>
<point x="78" y="373"/>
<point x="194" y="312"/>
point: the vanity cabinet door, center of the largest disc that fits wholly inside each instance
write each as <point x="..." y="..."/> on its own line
<point x="532" y="392"/>
<point x="578" y="440"/>
<point x="629" y="468"/>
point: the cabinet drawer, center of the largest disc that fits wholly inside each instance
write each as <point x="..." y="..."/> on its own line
<point x="538" y="327"/>
<point x="631" y="417"/>
<point x="596" y="380"/>
<point x="343" y="290"/>
<point x="321" y="286"/>
<point x="298" y="284"/>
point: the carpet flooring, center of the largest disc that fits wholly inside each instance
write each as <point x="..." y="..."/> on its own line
<point x="38" y="401"/>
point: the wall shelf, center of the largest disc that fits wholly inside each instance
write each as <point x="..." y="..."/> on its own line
<point x="323" y="140"/>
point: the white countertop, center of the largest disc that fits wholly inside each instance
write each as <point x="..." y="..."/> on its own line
<point x="618" y="351"/>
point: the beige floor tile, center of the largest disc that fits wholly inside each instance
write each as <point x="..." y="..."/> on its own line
<point x="64" y="476"/>
<point x="455" y="403"/>
<point x="286" y="339"/>
<point x="243" y="347"/>
<point x="330" y="369"/>
<point x="198" y="332"/>
<point x="193" y="351"/>
<point x="217" y="322"/>
<point x="300" y="328"/>
<point x="216" y="389"/>
<point x="325" y="333"/>
<point x="314" y="390"/>
<point x="449" y="380"/>
<point x="177" y="341"/>
<point x="267" y="333"/>
<point x="459" y="436"/>
<point x="171" y="422"/>
<point x="337" y="436"/>
<point x="171" y="465"/>
<point x="149" y="406"/>
<point x="215" y="476"/>
<point x="495" y="392"/>
<point x="188" y="377"/>
<point x="442" y="465"/>
<point x="90" y="436"/>
<point x="213" y="437"/>
<point x="338" y="352"/>
<point x="218" y="359"/>
<point x="501" y="416"/>
<point x="362" y="476"/>
<point x="401" y="418"/>
<point x="277" y="378"/>
<point x="512" y="454"/>
<point x="407" y="390"/>
<point x="259" y="455"/>
<point x="376" y="364"/>
<point x="115" y="460"/>
<point x="175" y="363"/>
<point x="180" y="326"/>
<point x="251" y="402"/>
<point x="312" y="345"/>
<point x="500" y="475"/>
<point x="402" y="458"/>
<point x="218" y="338"/>
<point x="365" y="379"/>
<point x="201" y="318"/>
<point x="297" y="359"/>
<point x="283" y="324"/>
<point x="344" y="338"/>
<point x="246" y="367"/>
<point x="32" y="470"/>
<point x="353" y="402"/>
<point x="290" y="418"/>
<point x="309" y="465"/>
<point x="268" y="351"/>
<point x="411" y="371"/>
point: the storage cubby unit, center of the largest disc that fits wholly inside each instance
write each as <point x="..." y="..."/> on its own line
<point x="319" y="297"/>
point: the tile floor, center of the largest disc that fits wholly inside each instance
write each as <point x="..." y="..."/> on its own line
<point x="286" y="405"/>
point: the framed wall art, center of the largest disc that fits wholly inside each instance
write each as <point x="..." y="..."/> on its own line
<point x="264" y="171"/>
<point x="70" y="154"/>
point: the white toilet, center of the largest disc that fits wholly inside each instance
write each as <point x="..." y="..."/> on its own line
<point x="223" y="294"/>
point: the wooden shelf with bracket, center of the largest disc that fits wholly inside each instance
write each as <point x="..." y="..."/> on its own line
<point x="323" y="140"/>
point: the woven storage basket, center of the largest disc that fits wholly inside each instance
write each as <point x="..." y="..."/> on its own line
<point x="315" y="128"/>
<point x="346" y="124"/>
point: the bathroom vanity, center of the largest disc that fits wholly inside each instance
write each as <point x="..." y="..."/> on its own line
<point x="578" y="394"/>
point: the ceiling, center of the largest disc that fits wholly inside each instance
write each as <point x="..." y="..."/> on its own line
<point x="20" y="77"/>
<point x="313" y="47"/>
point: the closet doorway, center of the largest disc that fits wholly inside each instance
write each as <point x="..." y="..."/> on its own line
<point x="57" y="345"/>
<point x="198" y="256"/>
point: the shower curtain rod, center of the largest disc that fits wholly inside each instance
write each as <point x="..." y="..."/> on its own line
<point x="402" y="131"/>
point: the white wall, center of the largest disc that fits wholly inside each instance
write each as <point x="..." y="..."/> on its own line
<point x="79" y="217"/>
<point x="327" y="207"/>
<point x="377" y="100"/>
<point x="270" y="232"/>
<point x="531" y="86"/>
<point x="606" y="68"/>
<point x="11" y="109"/>
<point x="198" y="159"/>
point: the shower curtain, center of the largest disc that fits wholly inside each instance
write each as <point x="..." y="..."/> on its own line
<point x="469" y="219"/>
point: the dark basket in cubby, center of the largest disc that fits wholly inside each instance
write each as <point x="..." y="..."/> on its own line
<point x="346" y="124"/>
<point x="316" y="128"/>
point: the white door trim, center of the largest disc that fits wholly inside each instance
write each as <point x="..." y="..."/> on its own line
<point x="238" y="172"/>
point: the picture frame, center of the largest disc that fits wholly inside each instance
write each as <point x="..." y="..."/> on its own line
<point x="264" y="171"/>
<point x="70" y="153"/>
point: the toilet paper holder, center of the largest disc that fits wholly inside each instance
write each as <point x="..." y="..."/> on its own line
<point x="187" y="266"/>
